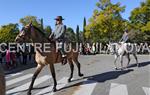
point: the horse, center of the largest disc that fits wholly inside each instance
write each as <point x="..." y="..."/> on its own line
<point x="2" y="82"/>
<point x="123" y="49"/>
<point x="35" y="35"/>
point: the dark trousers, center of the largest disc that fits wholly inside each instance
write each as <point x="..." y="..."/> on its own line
<point x="61" y="48"/>
<point x="24" y="59"/>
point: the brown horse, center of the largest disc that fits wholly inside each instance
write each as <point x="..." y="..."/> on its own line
<point x="34" y="34"/>
<point x="2" y="82"/>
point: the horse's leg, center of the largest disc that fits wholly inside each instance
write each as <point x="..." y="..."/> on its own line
<point x="136" y="59"/>
<point x="71" y="68"/>
<point x="128" y="57"/>
<point x="121" y="61"/>
<point x="79" y="67"/>
<point x="116" y="57"/>
<point x="52" y="69"/>
<point x="38" y="70"/>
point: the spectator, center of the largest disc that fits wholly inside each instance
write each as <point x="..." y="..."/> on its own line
<point x="0" y="58"/>
<point x="24" y="54"/>
<point x="8" y="64"/>
<point x="13" y="58"/>
<point x="94" y="49"/>
<point x="18" y="55"/>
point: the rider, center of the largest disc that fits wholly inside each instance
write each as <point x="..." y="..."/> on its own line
<point x="58" y="35"/>
<point x="125" y="37"/>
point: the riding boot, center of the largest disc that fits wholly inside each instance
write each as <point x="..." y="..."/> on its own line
<point x="64" y="57"/>
<point x="64" y="60"/>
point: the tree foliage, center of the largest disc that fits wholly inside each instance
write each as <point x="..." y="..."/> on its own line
<point x="106" y="22"/>
<point x="84" y="29"/>
<point x="140" y="20"/>
<point x="48" y="30"/>
<point x="78" y="34"/>
<point x="70" y="35"/>
<point x="35" y="21"/>
<point x="8" y="32"/>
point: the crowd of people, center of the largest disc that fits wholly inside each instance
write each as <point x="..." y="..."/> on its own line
<point x="102" y="48"/>
<point x="92" y="48"/>
<point x="11" y="60"/>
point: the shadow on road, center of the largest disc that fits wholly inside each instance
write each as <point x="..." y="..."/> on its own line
<point x="108" y="75"/>
<point x="100" y="78"/>
<point x="142" y="64"/>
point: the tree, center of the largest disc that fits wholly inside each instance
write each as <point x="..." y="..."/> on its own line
<point x="106" y="22"/>
<point x="77" y="34"/>
<point x="81" y="36"/>
<point x="140" y="15"/>
<point x="48" y="30"/>
<point x="8" y="32"/>
<point x="71" y="36"/>
<point x="42" y="25"/>
<point x="27" y="19"/>
<point x="84" y="30"/>
<point x="140" y="20"/>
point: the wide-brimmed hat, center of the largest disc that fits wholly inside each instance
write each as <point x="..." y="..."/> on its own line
<point x="126" y="30"/>
<point x="59" y="18"/>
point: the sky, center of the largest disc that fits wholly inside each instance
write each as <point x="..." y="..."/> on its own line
<point x="72" y="10"/>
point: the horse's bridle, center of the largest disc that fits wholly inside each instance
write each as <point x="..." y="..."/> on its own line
<point x="26" y="30"/>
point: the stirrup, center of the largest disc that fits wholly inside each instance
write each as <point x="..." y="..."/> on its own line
<point x="64" y="60"/>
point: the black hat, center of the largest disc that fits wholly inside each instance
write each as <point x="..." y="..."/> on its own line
<point x="59" y="18"/>
<point x="126" y="30"/>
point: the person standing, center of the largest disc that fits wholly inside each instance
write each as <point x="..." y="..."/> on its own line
<point x="13" y="58"/>
<point x="0" y="58"/>
<point x="8" y="63"/>
<point x="94" y="48"/>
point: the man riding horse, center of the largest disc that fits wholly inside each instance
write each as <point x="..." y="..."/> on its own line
<point x="124" y="40"/>
<point x="125" y="37"/>
<point x="123" y="48"/>
<point x="42" y="58"/>
<point x="58" y="36"/>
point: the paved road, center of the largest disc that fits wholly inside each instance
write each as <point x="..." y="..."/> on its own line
<point x="100" y="78"/>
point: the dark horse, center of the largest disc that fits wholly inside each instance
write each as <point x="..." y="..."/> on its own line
<point x="32" y="33"/>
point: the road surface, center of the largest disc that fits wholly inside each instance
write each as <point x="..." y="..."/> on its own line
<point x="100" y="78"/>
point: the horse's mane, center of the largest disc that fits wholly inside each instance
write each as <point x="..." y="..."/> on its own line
<point x="39" y="30"/>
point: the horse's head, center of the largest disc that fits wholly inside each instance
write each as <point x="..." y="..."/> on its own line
<point x="24" y="34"/>
<point x="112" y="47"/>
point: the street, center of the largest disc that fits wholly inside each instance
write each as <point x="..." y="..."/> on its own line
<point x="100" y="78"/>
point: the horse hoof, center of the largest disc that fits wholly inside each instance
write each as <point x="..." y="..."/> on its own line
<point x="54" y="89"/>
<point x="81" y="75"/>
<point x="69" y="80"/>
<point x="124" y="68"/>
<point x="29" y="93"/>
